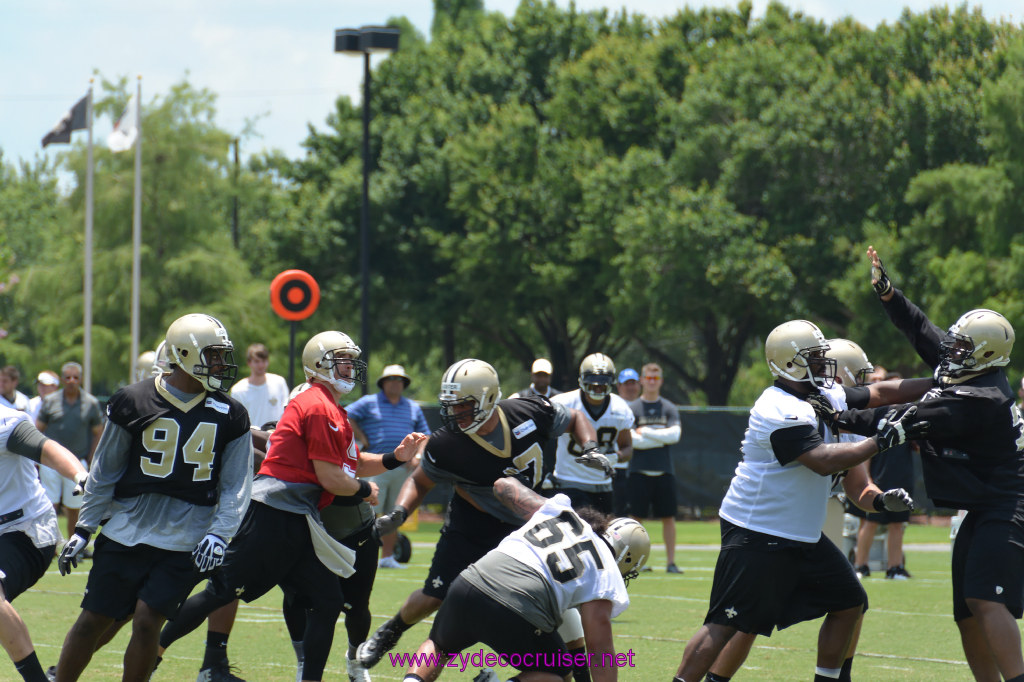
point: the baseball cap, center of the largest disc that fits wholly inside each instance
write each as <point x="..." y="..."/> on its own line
<point x="628" y="374"/>
<point x="541" y="365"/>
<point x="394" y="371"/>
<point x="47" y="379"/>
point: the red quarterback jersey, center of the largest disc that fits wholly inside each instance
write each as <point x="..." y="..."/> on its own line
<point x="313" y="427"/>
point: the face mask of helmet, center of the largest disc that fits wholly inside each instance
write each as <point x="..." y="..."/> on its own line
<point x="461" y="414"/>
<point x="630" y="544"/>
<point x="200" y="346"/>
<point x="469" y="394"/>
<point x="342" y="371"/>
<point x="597" y="386"/>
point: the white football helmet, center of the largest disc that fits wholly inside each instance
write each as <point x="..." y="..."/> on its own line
<point x="631" y="545"/>
<point x="333" y="358"/>
<point x="795" y="350"/>
<point x="597" y="375"/>
<point x="200" y="346"/>
<point x="852" y="364"/>
<point x="469" y="393"/>
<point x="980" y="340"/>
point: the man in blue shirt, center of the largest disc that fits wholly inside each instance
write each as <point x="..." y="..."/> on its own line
<point x="382" y="420"/>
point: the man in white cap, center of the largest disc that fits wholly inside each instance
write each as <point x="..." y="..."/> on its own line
<point x="381" y="421"/>
<point x="540" y="376"/>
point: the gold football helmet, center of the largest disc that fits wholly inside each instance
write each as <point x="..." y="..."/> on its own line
<point x="333" y="358"/>
<point x="469" y="393"/>
<point x="631" y="546"/>
<point x="597" y="375"/>
<point x="852" y="364"/>
<point x="980" y="340"/>
<point x="795" y="350"/>
<point x="200" y="346"/>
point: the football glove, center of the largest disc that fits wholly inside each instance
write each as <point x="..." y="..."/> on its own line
<point x="895" y="500"/>
<point x="823" y="408"/>
<point x="593" y="458"/>
<point x="389" y="523"/>
<point x="880" y="280"/>
<point x="209" y="553"/>
<point x="80" y="480"/>
<point x="897" y="427"/>
<point x="71" y="551"/>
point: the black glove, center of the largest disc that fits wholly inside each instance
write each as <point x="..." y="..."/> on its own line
<point x="593" y="458"/>
<point x="880" y="280"/>
<point x="389" y="523"/>
<point x="898" y="426"/>
<point x="895" y="500"/>
<point x="72" y="550"/>
<point x="823" y="408"/>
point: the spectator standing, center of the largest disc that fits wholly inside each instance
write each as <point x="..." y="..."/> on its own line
<point x="46" y="383"/>
<point x="263" y="394"/>
<point x="652" y="480"/>
<point x="628" y="388"/>
<point x="10" y="396"/>
<point x="72" y="418"/>
<point x="384" y="419"/>
<point x="540" y="377"/>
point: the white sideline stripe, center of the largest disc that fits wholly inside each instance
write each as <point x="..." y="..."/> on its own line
<point x="682" y="547"/>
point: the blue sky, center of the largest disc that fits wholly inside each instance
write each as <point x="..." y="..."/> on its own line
<point x="271" y="59"/>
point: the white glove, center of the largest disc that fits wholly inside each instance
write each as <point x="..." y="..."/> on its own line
<point x="209" y="553"/>
<point x="72" y="549"/>
<point x="895" y="500"/>
<point x="593" y="458"/>
<point x="80" y="480"/>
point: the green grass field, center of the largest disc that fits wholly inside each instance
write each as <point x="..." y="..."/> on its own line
<point x="908" y="633"/>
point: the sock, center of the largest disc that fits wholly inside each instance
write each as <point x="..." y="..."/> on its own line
<point x="352" y="650"/>
<point x="398" y="625"/>
<point x="156" y="665"/>
<point x="216" y="649"/>
<point x="30" y="669"/>
<point x="580" y="673"/>
<point x="826" y="674"/>
<point x="298" y="650"/>
<point x="412" y="677"/>
<point x="711" y="677"/>
<point x="1018" y="678"/>
<point x="844" y="674"/>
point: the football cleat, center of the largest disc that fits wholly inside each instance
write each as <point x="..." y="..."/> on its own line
<point x="382" y="641"/>
<point x="357" y="672"/>
<point x="220" y="672"/>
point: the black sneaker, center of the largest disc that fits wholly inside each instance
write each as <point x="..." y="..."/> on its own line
<point x="672" y="568"/>
<point x="897" y="573"/>
<point x="863" y="571"/>
<point x="382" y="641"/>
<point x="220" y="672"/>
<point x="51" y="674"/>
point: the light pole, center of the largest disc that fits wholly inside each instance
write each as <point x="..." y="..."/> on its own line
<point x="365" y="41"/>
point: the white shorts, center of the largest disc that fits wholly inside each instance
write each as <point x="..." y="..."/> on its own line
<point x="390" y="482"/>
<point x="59" y="489"/>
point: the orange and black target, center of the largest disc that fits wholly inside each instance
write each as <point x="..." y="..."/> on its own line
<point x="294" y="294"/>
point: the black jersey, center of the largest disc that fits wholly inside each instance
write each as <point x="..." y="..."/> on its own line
<point x="974" y="456"/>
<point x="473" y="465"/>
<point x="176" y="447"/>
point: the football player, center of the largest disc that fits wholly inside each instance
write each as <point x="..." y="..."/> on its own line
<point x="973" y="459"/>
<point x="483" y="439"/>
<point x="612" y="420"/>
<point x="28" y="528"/>
<point x="512" y="598"/>
<point x="775" y="507"/>
<point x="175" y="447"/>
<point x="312" y="458"/>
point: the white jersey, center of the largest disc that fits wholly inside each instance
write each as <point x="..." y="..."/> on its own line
<point x="264" y="403"/>
<point x="20" y="401"/>
<point x="578" y="564"/>
<point x="786" y="501"/>
<point x="20" y="488"/>
<point x="617" y="417"/>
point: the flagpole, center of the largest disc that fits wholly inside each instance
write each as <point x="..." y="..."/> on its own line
<point x="87" y="285"/>
<point x="137" y="232"/>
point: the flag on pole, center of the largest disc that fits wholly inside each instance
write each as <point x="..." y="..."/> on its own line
<point x="74" y="119"/>
<point x="122" y="138"/>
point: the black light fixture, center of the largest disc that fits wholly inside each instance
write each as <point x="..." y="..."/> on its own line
<point x="364" y="42"/>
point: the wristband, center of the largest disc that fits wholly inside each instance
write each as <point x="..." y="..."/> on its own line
<point x="364" y="490"/>
<point x="391" y="461"/>
<point x="878" y="503"/>
<point x="589" y="445"/>
<point x="83" y="532"/>
<point x="400" y="512"/>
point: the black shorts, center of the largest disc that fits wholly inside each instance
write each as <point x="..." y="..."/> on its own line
<point x="652" y="497"/>
<point x="807" y="581"/>
<point x="988" y="562"/>
<point x="121" y="576"/>
<point x="357" y="587"/>
<point x="620" y="491"/>
<point x="881" y="518"/>
<point x="456" y="549"/>
<point x="469" y="616"/>
<point x="602" y="502"/>
<point x="273" y="547"/>
<point x="22" y="564"/>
